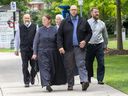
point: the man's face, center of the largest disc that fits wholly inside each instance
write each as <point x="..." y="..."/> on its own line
<point x="73" y="10"/>
<point x="95" y="14"/>
<point x="26" y="19"/>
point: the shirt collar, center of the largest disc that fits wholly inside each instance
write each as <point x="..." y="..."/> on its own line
<point x="74" y="18"/>
<point x="93" y="20"/>
<point x="28" y="25"/>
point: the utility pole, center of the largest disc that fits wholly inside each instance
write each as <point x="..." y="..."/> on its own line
<point x="80" y="2"/>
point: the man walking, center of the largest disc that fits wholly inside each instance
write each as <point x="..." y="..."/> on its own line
<point x="24" y="40"/>
<point x="96" y="46"/>
<point x="73" y="35"/>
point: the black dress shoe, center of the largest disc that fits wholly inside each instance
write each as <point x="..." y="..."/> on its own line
<point x="101" y="82"/>
<point x="32" y="81"/>
<point x="70" y="88"/>
<point x="48" y="88"/>
<point x="85" y="85"/>
<point x="89" y="79"/>
<point x="26" y="85"/>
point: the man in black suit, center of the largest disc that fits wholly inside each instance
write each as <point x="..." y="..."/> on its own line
<point x="24" y="41"/>
<point x="73" y="35"/>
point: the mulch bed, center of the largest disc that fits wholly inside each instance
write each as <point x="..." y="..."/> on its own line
<point x="117" y="52"/>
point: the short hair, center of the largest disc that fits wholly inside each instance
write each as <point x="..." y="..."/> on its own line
<point x="93" y="8"/>
<point x="48" y="17"/>
<point x="60" y="16"/>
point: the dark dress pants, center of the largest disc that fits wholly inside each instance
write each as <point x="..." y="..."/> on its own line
<point x="26" y="60"/>
<point x="95" y="50"/>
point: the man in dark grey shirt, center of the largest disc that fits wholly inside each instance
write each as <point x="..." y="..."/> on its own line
<point x="96" y="46"/>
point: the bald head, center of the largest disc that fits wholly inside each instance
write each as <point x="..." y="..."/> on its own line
<point x="26" y="19"/>
<point x="73" y="10"/>
<point x="73" y="7"/>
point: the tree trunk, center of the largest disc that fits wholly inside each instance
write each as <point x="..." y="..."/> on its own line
<point x="119" y="31"/>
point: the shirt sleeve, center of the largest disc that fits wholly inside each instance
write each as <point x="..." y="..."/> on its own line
<point x="17" y="40"/>
<point x="105" y="36"/>
<point x="60" y="38"/>
<point x="36" y="42"/>
<point x="88" y="32"/>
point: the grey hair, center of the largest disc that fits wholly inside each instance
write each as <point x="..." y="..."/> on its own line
<point x="60" y="16"/>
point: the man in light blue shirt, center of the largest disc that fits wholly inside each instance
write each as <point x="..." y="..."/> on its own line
<point x="96" y="46"/>
<point x="75" y="22"/>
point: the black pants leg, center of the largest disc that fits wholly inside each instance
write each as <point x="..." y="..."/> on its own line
<point x="26" y="59"/>
<point x="69" y="61"/>
<point x="26" y="74"/>
<point x="90" y="55"/>
<point x="100" y="62"/>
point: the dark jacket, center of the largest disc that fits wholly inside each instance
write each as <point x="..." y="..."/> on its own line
<point x="27" y="36"/>
<point x="65" y="33"/>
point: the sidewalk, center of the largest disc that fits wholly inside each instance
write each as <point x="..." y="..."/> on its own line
<point x="8" y="55"/>
<point x="18" y="89"/>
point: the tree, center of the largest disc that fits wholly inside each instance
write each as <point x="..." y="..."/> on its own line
<point x="119" y="33"/>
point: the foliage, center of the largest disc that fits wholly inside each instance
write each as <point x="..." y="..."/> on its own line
<point x="21" y="4"/>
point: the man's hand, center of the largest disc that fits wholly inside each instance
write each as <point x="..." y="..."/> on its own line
<point x="62" y="51"/>
<point x="16" y="53"/>
<point x="106" y="50"/>
<point x="34" y="56"/>
<point x="82" y="44"/>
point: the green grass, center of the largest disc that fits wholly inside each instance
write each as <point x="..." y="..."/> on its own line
<point x="6" y="50"/>
<point x="116" y="72"/>
<point x="113" y="44"/>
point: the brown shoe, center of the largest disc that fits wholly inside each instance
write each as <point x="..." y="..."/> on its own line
<point x="85" y="85"/>
<point x="70" y="88"/>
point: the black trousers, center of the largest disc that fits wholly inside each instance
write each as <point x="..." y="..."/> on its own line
<point x="95" y="50"/>
<point x="26" y="60"/>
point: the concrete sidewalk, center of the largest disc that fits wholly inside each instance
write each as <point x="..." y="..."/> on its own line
<point x="18" y="89"/>
<point x="8" y="55"/>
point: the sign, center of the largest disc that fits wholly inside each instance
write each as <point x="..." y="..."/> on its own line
<point x="13" y="6"/>
<point x="80" y="2"/>
<point x="6" y="29"/>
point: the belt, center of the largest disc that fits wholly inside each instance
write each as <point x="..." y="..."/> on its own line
<point x="94" y="44"/>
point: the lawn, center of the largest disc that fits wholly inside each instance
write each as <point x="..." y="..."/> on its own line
<point x="6" y="50"/>
<point x="113" y="44"/>
<point x="116" y="74"/>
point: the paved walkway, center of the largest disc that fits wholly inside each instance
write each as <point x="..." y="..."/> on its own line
<point x="17" y="88"/>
